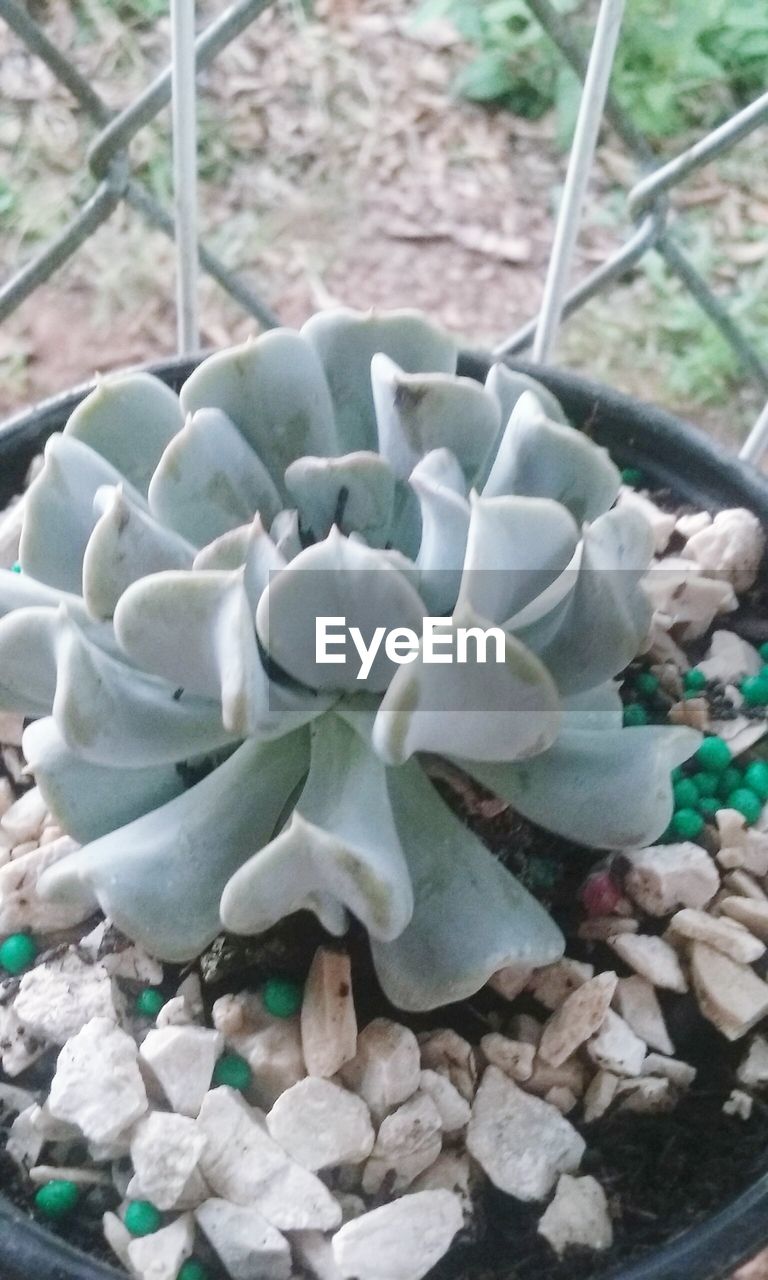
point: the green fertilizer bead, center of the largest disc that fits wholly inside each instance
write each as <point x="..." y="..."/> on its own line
<point x="632" y="476"/>
<point x="709" y="805"/>
<point x="686" y="794"/>
<point x="16" y="567"/>
<point x="730" y="780"/>
<point x="282" y="997"/>
<point x="686" y="824"/>
<point x="142" y="1218"/>
<point x="193" y="1270"/>
<point x="57" y="1199"/>
<point x="756" y="778"/>
<point x="634" y="715"/>
<point x="763" y="651"/>
<point x="232" y="1070"/>
<point x="754" y="690"/>
<point x="646" y="683"/>
<point x="149" y="1002"/>
<point x="746" y="803"/>
<point x="694" y="680"/>
<point x="17" y="953"/>
<point x="714" y="754"/>
<point x="705" y="783"/>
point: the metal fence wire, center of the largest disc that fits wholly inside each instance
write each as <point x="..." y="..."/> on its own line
<point x="648" y="202"/>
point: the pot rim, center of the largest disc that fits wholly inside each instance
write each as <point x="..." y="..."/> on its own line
<point x="670" y="450"/>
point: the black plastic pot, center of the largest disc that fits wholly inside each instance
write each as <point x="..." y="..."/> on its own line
<point x="671" y="453"/>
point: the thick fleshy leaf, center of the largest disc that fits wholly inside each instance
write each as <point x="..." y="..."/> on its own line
<point x="506" y="710"/>
<point x="339" y="578"/>
<point x="196" y="630"/>
<point x="88" y="800"/>
<point x="22" y="591"/>
<point x="603" y="621"/>
<point x="537" y="458"/>
<point x="516" y="547"/>
<point x="340" y="845"/>
<point x="347" y="341"/>
<point x="249" y="547"/>
<point x="126" y="544"/>
<point x="28" y="640"/>
<point x="444" y="527"/>
<point x="598" y="708"/>
<point x="59" y="515"/>
<point x="112" y="714"/>
<point x="285" y="533"/>
<point x="274" y="390"/>
<point x="209" y="480"/>
<point x="418" y="412"/>
<point x="629" y="768"/>
<point x="471" y="917"/>
<point x="129" y="418"/>
<point x="507" y="385"/>
<point x="356" y="492"/>
<point x="161" y="877"/>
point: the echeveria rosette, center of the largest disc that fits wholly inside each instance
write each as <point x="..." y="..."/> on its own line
<point x="175" y="555"/>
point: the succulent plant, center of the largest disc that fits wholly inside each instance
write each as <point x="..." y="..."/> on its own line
<point x="176" y="552"/>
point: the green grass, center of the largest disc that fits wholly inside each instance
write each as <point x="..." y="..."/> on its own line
<point x="679" y="65"/>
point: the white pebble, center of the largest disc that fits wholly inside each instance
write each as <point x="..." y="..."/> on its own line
<point x="242" y="1163"/>
<point x="578" y="1215"/>
<point x="25" y="1142"/>
<point x="452" y="1171"/>
<point x="510" y="981"/>
<point x="599" y="1095"/>
<point x="682" y="1074"/>
<point x="616" y="1048"/>
<point x="732" y="546"/>
<point x="753" y="1069"/>
<point x="321" y="1125"/>
<point x="729" y="658"/>
<point x="730" y="995"/>
<point x="449" y="1054"/>
<point x="25" y="818"/>
<point x="638" y="1004"/>
<point x="520" y="1141"/>
<point x="652" y="958"/>
<point x="386" y="1067"/>
<point x="400" y="1241"/>
<point x="408" y="1142"/>
<point x="580" y="1015"/>
<point x="719" y="932"/>
<point x="21" y="906"/>
<point x="181" y="1061"/>
<point x="552" y="984"/>
<point x="662" y="522"/>
<point x="270" y="1045"/>
<point x="58" y="998"/>
<point x="161" y="1255"/>
<point x="513" y="1057"/>
<point x="664" y="877"/>
<point x="738" y="1103"/>
<point x="165" y="1150"/>
<point x="19" y="1047"/>
<point x="648" y="1095"/>
<point x="98" y="1086"/>
<point x="328" y="1019"/>
<point x="453" y="1107"/>
<point x="245" y="1243"/>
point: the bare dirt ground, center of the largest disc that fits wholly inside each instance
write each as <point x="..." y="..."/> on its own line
<point x="336" y="166"/>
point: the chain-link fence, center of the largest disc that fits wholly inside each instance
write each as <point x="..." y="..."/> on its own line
<point x="113" y="182"/>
